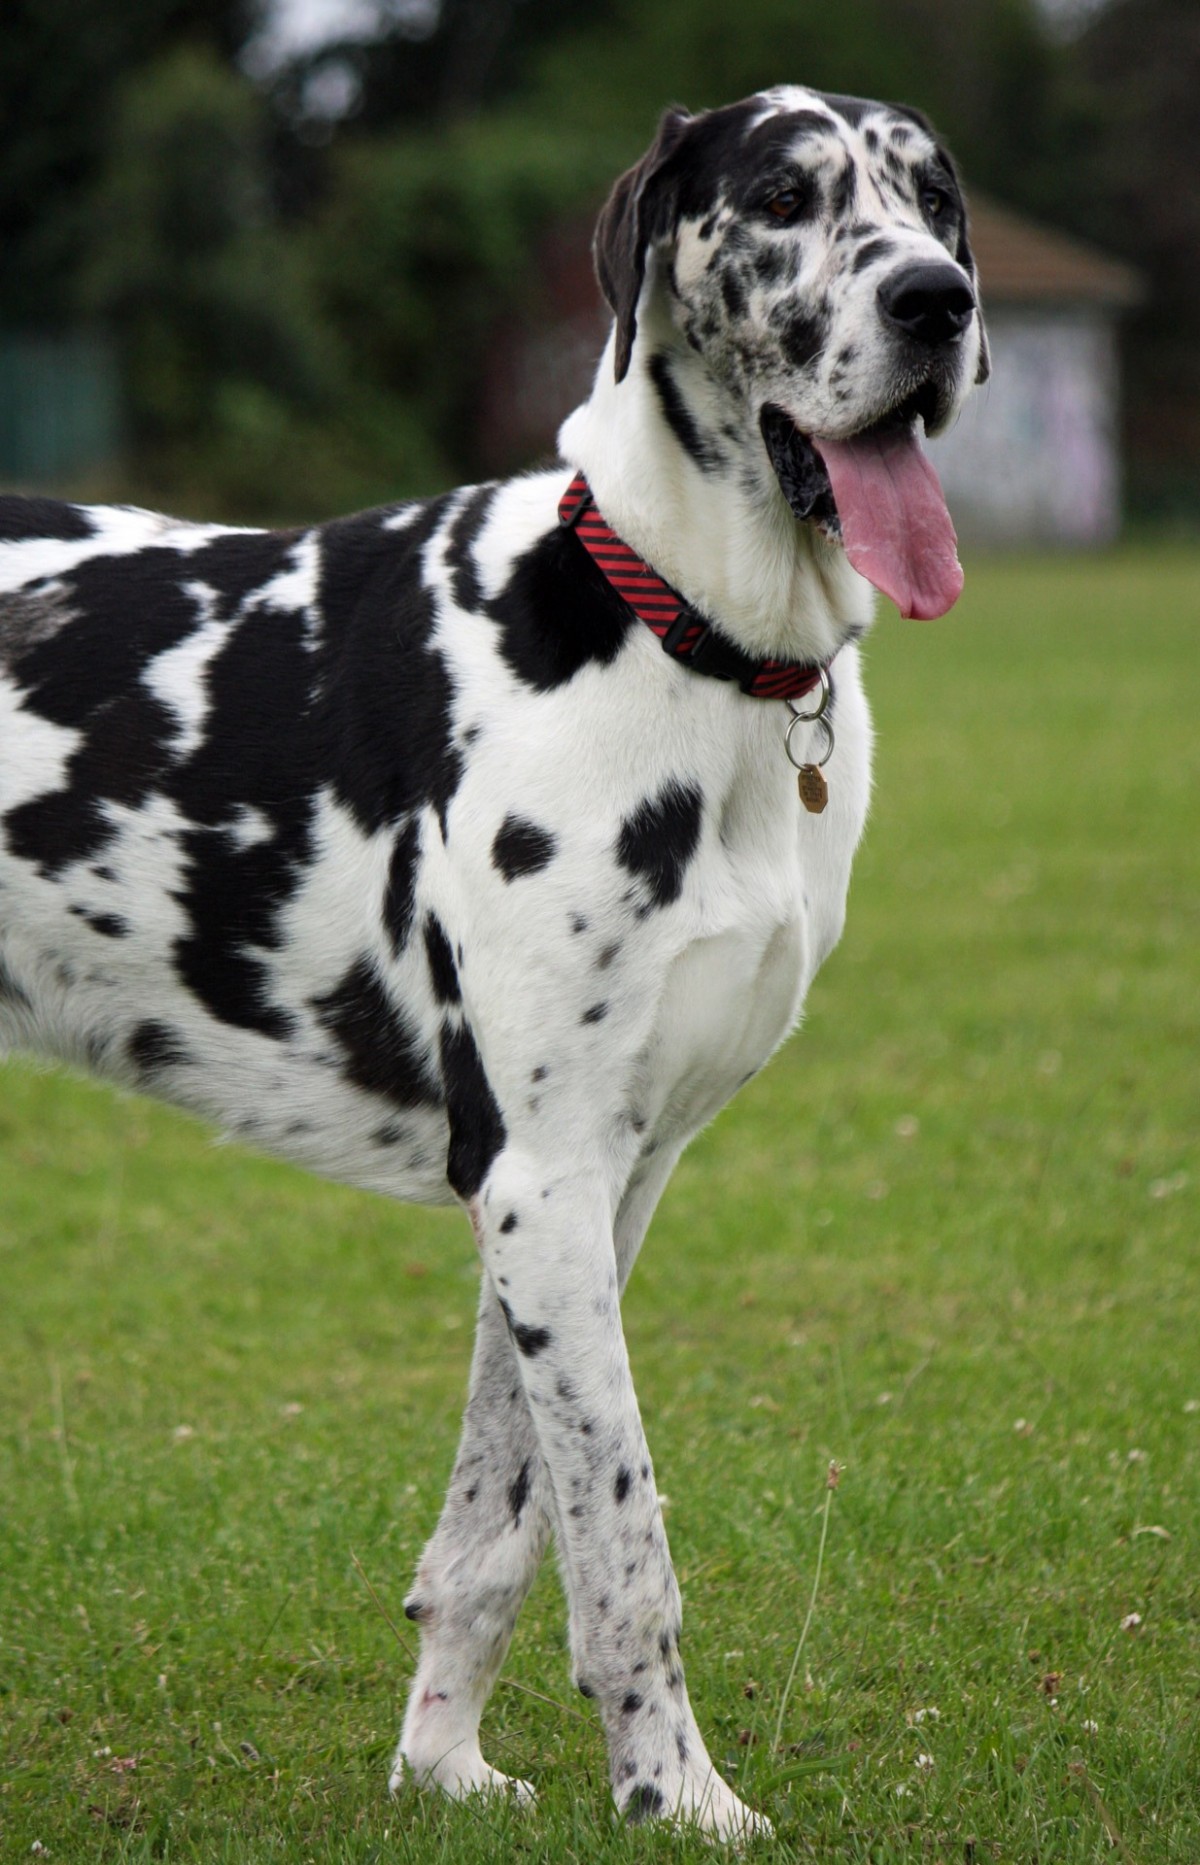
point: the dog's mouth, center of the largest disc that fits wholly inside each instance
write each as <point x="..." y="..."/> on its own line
<point x="877" y="493"/>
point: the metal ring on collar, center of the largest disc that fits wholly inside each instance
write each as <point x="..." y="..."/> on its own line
<point x="808" y="718"/>
<point x="822" y="705"/>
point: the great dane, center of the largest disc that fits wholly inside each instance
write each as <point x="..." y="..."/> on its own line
<point x="455" y="849"/>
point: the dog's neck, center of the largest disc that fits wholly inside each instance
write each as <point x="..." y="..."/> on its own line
<point x="723" y="536"/>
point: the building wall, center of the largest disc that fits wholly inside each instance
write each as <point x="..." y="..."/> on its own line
<point x="1034" y="457"/>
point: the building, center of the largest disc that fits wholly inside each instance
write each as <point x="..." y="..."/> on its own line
<point x="1035" y="456"/>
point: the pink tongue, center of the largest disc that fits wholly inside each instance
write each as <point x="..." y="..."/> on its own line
<point x="895" y="526"/>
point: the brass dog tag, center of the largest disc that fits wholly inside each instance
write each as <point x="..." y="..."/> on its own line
<point x="814" y="791"/>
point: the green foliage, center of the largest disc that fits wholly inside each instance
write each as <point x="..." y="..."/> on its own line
<point x="60" y="67"/>
<point x="240" y="393"/>
<point x="948" y="1237"/>
<point x="423" y="243"/>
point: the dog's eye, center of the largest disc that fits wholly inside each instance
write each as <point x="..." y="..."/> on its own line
<point x="786" y="204"/>
<point x="935" y="202"/>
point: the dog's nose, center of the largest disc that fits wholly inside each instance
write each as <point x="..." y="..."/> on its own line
<point x="931" y="302"/>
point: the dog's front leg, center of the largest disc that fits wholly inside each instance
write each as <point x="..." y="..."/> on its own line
<point x="475" y="1571"/>
<point x="548" y="1248"/>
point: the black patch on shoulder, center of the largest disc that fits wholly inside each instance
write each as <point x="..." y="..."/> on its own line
<point x="152" y="1046"/>
<point x="383" y="714"/>
<point x="518" y="1494"/>
<point x="399" y="902"/>
<point x="477" y="1130"/>
<point x="383" y="1053"/>
<point x="558" y="613"/>
<point x="679" y="418"/>
<point x="645" y="1803"/>
<point x="521" y="847"/>
<point x="460" y="560"/>
<point x="22" y="518"/>
<point x="442" y="969"/>
<point x="659" y="839"/>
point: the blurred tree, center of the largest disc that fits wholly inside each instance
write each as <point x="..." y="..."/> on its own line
<point x="60" y="68"/>
<point x="1133" y="110"/>
<point x="236" y="384"/>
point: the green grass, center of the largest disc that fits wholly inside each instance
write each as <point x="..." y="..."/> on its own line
<point x="949" y="1238"/>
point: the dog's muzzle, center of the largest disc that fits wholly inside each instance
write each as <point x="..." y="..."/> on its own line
<point x="930" y="303"/>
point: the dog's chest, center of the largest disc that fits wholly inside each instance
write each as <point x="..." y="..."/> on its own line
<point x="767" y="905"/>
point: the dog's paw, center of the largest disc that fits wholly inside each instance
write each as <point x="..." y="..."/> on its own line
<point x="700" y="1800"/>
<point x="458" y="1772"/>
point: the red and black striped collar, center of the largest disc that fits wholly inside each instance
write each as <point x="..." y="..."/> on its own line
<point x="683" y="634"/>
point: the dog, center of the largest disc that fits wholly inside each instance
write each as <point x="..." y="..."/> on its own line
<point x="454" y="849"/>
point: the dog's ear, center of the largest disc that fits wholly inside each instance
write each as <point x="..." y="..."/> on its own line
<point x="631" y="217"/>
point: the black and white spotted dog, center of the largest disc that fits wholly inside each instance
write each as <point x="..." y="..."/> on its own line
<point x="400" y="847"/>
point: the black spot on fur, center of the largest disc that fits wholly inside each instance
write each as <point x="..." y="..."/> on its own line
<point x="151" y="1046"/>
<point x="802" y="337"/>
<point x="477" y="1131"/>
<point x="596" y="1014"/>
<point x="383" y="1054"/>
<point x="557" y="613"/>
<point x="622" y="1485"/>
<point x="845" y="190"/>
<point x="442" y="969"/>
<point x="772" y="264"/>
<point x="399" y="902"/>
<point x="123" y="758"/>
<point x="851" y="109"/>
<point x="644" y="1803"/>
<point x="521" y="848"/>
<point x="10" y="990"/>
<point x="698" y="446"/>
<point x="606" y="955"/>
<point x="110" y="925"/>
<point x="32" y="517"/>
<point x="530" y="1341"/>
<point x="631" y="1703"/>
<point x="657" y="842"/>
<point x="468" y="591"/>
<point x="385" y="694"/>
<point x="518" y="1494"/>
<point x="509" y="1224"/>
<point x="878" y="248"/>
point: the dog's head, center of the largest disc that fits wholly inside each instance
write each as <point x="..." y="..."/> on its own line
<point x="800" y="267"/>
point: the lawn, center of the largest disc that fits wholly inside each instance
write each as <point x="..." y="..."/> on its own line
<point x="949" y="1238"/>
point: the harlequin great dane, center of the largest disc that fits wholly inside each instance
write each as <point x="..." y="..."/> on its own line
<point x="400" y="846"/>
